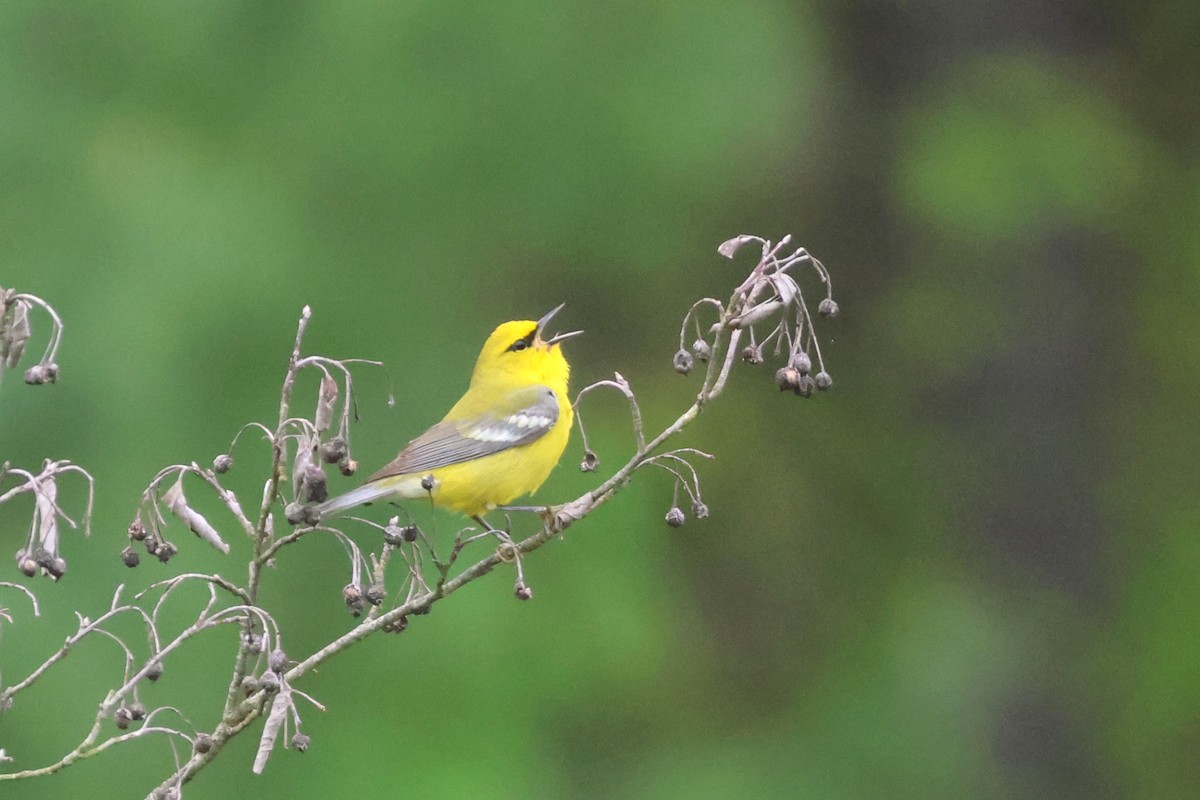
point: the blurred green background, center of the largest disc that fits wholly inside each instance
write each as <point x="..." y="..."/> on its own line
<point x="967" y="571"/>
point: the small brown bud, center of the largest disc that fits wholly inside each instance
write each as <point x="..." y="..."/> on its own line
<point x="590" y="462"/>
<point x="203" y="743"/>
<point x="409" y="533"/>
<point x="334" y="450"/>
<point x="301" y="742"/>
<point x="699" y="509"/>
<point x="675" y="517"/>
<point x="277" y="660"/>
<point x="154" y="672"/>
<point x="137" y="531"/>
<point x="827" y="308"/>
<point x="823" y="380"/>
<point x="375" y="595"/>
<point x="787" y="378"/>
<point x="130" y="557"/>
<point x="122" y="718"/>
<point x="683" y="362"/>
<point x="222" y="463"/>
<point x="137" y="711"/>
<point x="523" y="592"/>
<point x="702" y="349"/>
<point x="347" y="466"/>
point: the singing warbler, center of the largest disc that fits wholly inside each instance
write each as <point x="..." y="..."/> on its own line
<point x="500" y="440"/>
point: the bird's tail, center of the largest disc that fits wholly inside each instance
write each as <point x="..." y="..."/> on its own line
<point x="367" y="493"/>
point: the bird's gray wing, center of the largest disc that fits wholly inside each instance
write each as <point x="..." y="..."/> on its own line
<point x="522" y="417"/>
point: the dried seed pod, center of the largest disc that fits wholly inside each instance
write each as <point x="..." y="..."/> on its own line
<point x="254" y="643"/>
<point x="269" y="682"/>
<point x="277" y="660"/>
<point x="122" y="718"/>
<point x="352" y="596"/>
<point x="590" y="462"/>
<point x="729" y="247"/>
<point x="177" y="503"/>
<point x="827" y="307"/>
<point x="823" y="380"/>
<point x="398" y="626"/>
<point x="16" y="334"/>
<point x="683" y="362"/>
<point x="702" y="349"/>
<point x="203" y="743"/>
<point x="314" y="484"/>
<point x="137" y="711"/>
<point x="41" y="373"/>
<point x="675" y="517"/>
<point x="130" y="557"/>
<point x="756" y="314"/>
<point x="801" y="363"/>
<point x="699" y="509"/>
<point x="327" y="396"/>
<point x="154" y="672"/>
<point x="393" y="534"/>
<point x="347" y="466"/>
<point x="301" y="742"/>
<point x="375" y="595"/>
<point x="57" y="567"/>
<point x="523" y="592"/>
<point x="334" y="450"/>
<point x="250" y="685"/>
<point x="751" y="354"/>
<point x="787" y="378"/>
<point x="294" y="513"/>
<point x="137" y="531"/>
<point x="409" y="533"/>
<point x="164" y="551"/>
<point x="222" y="463"/>
<point x="806" y="386"/>
<point x="428" y="482"/>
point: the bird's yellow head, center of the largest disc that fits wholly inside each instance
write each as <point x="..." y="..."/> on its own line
<point x="520" y="352"/>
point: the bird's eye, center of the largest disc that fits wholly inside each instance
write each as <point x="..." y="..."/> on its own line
<point x="519" y="344"/>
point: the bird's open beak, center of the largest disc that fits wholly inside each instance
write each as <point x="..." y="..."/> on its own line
<point x="558" y="337"/>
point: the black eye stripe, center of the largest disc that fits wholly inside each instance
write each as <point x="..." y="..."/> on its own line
<point x="521" y="344"/>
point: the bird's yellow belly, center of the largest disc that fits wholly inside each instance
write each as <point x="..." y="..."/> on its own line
<point x="475" y="487"/>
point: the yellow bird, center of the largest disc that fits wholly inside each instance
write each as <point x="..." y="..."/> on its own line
<point x="499" y="442"/>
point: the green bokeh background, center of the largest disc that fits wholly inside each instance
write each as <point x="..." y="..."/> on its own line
<point x="967" y="571"/>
